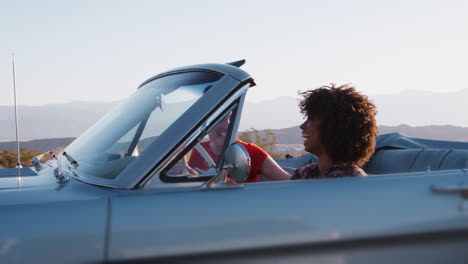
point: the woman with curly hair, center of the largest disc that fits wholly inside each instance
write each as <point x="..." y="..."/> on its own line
<point x="340" y="130"/>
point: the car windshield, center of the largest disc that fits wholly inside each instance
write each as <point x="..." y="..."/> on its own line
<point x="106" y="148"/>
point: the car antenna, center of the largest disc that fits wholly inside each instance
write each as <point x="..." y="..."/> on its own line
<point x="18" y="161"/>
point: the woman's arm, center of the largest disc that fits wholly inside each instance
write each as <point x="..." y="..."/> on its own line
<point x="272" y="171"/>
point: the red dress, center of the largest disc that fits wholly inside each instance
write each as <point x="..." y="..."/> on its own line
<point x="257" y="157"/>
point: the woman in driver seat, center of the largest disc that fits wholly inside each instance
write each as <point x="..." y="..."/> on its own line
<point x="261" y="162"/>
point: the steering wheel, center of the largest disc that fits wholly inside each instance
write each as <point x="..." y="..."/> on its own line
<point x="206" y="157"/>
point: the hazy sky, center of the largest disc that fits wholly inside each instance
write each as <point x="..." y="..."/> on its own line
<point x="102" y="50"/>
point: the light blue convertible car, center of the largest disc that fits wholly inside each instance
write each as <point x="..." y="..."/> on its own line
<point x="125" y="191"/>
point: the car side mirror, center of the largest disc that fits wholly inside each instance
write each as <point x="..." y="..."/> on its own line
<point x="236" y="165"/>
<point x="238" y="158"/>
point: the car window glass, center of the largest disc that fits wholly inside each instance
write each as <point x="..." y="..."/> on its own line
<point x="121" y="136"/>
<point x="203" y="159"/>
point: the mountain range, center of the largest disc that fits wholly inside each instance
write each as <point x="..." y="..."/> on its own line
<point x="413" y="108"/>
<point x="287" y="139"/>
<point x="52" y="120"/>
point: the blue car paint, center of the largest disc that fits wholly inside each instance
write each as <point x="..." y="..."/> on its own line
<point x="279" y="213"/>
<point x="45" y="222"/>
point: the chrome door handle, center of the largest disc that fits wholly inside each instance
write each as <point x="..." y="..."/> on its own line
<point x="453" y="188"/>
<point x="462" y="189"/>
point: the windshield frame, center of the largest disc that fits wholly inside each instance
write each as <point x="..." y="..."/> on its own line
<point x="138" y="169"/>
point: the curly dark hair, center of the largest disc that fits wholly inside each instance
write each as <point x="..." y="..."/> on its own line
<point x="347" y="127"/>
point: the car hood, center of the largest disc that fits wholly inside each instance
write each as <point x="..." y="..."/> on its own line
<point x="26" y="178"/>
<point x="42" y="188"/>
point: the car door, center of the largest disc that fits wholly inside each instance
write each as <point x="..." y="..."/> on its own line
<point x="376" y="219"/>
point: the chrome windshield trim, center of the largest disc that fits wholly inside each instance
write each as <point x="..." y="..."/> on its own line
<point x="171" y="139"/>
<point x="140" y="169"/>
<point x="225" y="69"/>
<point x="232" y="85"/>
